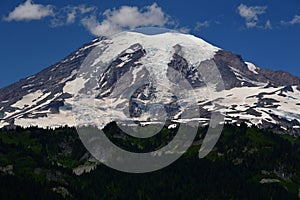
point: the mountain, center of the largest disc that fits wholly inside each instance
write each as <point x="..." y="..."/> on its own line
<point x="148" y="64"/>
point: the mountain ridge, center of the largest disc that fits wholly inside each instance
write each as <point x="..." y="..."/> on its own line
<point x="47" y="94"/>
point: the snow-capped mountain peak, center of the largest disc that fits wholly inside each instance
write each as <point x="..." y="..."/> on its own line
<point x="252" y="94"/>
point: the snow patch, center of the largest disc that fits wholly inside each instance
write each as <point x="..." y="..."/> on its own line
<point x="251" y="67"/>
<point x="28" y="100"/>
<point x="172" y="126"/>
<point x="52" y="120"/>
<point x="74" y="86"/>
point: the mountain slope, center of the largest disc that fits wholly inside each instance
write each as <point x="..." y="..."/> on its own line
<point x="252" y="94"/>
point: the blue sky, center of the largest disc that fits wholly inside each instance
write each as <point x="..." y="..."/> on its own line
<point x="36" y="34"/>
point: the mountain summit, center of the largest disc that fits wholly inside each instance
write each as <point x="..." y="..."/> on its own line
<point x="148" y="62"/>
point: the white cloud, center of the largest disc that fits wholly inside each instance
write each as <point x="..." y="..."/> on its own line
<point x="113" y="20"/>
<point x="29" y="11"/>
<point x="184" y="29"/>
<point x="104" y="28"/>
<point x="251" y="13"/>
<point x="67" y="15"/>
<point x="71" y="17"/>
<point x="125" y="17"/>
<point x="295" y="20"/>
<point x="200" y="25"/>
<point x="268" y="25"/>
<point x="83" y="9"/>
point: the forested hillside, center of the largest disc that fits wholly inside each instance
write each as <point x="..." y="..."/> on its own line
<point x="247" y="163"/>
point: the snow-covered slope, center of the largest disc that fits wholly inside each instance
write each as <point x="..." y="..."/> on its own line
<point x="150" y="64"/>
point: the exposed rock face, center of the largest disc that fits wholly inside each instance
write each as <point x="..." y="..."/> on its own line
<point x="122" y="64"/>
<point x="189" y="72"/>
<point x="228" y="63"/>
<point x="280" y="78"/>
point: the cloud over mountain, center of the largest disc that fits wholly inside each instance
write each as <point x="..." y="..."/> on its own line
<point x="116" y="20"/>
